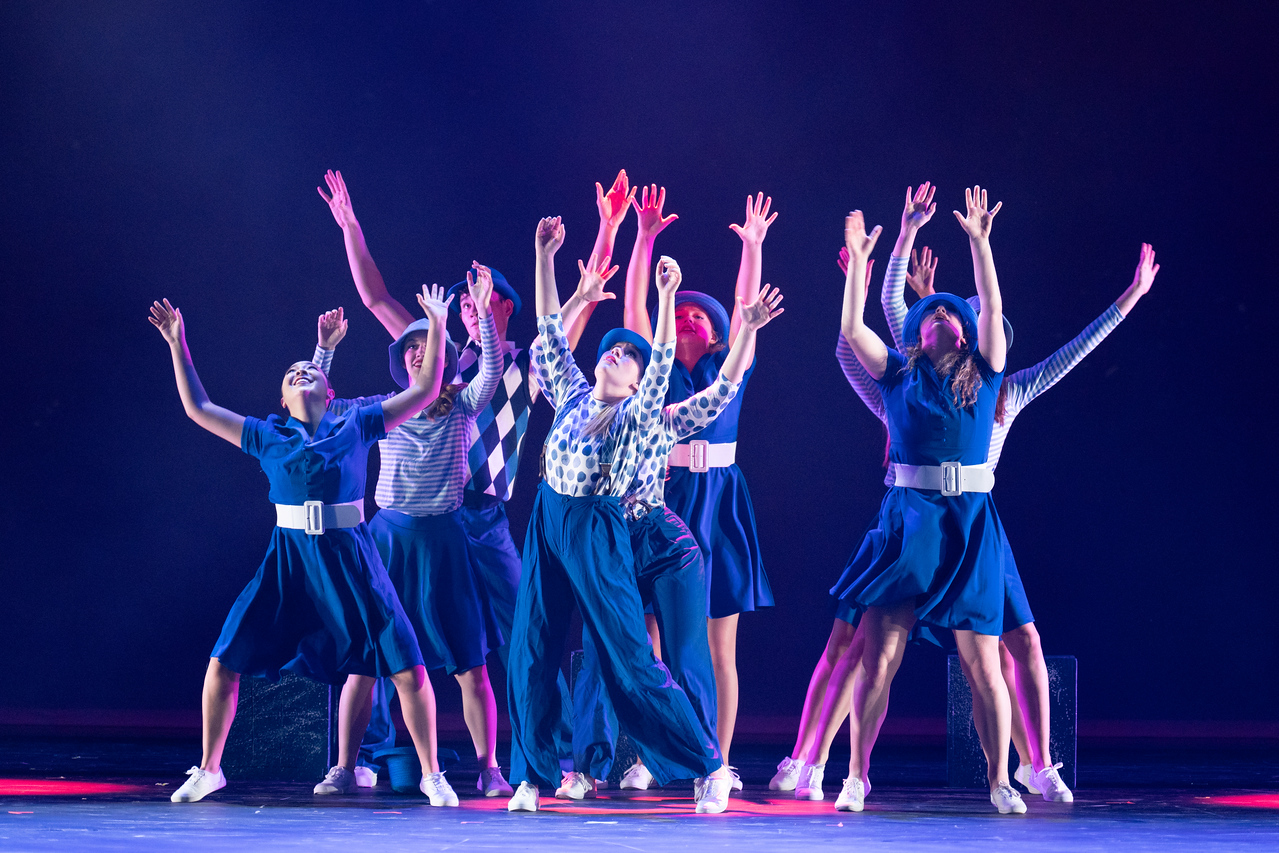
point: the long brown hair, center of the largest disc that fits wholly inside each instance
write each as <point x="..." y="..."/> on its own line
<point x="960" y="366"/>
<point x="444" y="403"/>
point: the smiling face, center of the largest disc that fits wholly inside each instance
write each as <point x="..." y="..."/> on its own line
<point x="501" y="309"/>
<point x="617" y="373"/>
<point x="413" y="352"/>
<point x="941" y="331"/>
<point x="304" y="380"/>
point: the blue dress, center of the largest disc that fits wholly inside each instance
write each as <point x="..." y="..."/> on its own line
<point x="716" y="505"/>
<point x="321" y="606"/>
<point x="944" y="553"/>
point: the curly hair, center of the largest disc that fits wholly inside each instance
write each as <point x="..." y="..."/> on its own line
<point x="960" y="366"/>
<point x="444" y="403"/>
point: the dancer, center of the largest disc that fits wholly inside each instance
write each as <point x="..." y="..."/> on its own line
<point x="321" y="603"/>
<point x="707" y="490"/>
<point x="577" y="550"/>
<point x="419" y="532"/>
<point x="936" y="555"/>
<point x="669" y="571"/>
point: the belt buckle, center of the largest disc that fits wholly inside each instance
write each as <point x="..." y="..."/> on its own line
<point x="314" y="511"/>
<point x="952" y="482"/>
<point x="699" y="456"/>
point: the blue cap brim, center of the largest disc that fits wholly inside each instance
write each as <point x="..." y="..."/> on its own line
<point x="626" y="336"/>
<point x="500" y="287"/>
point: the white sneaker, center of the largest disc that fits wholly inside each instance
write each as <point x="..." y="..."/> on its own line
<point x="338" y="780"/>
<point x="200" y="784"/>
<point x="1046" y="782"/>
<point x="737" y="780"/>
<point x="636" y="779"/>
<point x="525" y="799"/>
<point x="1007" y="800"/>
<point x="809" y="784"/>
<point x="786" y="776"/>
<point x="365" y="777"/>
<point x="437" y="789"/>
<point x="853" y="796"/>
<point x="713" y="796"/>
<point x="492" y="783"/>
<point x="576" y="786"/>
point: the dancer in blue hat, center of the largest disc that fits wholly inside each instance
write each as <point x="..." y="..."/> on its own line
<point x="706" y="489"/>
<point x="419" y="531"/>
<point x="936" y="554"/>
<point x="578" y="551"/>
<point x="321" y="603"/>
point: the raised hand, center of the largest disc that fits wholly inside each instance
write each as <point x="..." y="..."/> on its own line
<point x="433" y="303"/>
<point x="649" y="211"/>
<point x="339" y="200"/>
<point x="549" y="236"/>
<point x="757" y="220"/>
<point x="668" y="277"/>
<point x="856" y="240"/>
<point x="977" y="223"/>
<point x="168" y="320"/>
<point x="1147" y="269"/>
<point x="843" y="266"/>
<point x="922" y="267"/>
<point x="480" y="288"/>
<point x="612" y="205"/>
<point x="919" y="206"/>
<point x="595" y="274"/>
<point x="767" y="306"/>
<point x="331" y="328"/>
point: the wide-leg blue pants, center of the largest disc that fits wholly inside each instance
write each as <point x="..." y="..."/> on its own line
<point x="671" y="575"/>
<point x="578" y="552"/>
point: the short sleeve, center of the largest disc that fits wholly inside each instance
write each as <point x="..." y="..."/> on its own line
<point x="370" y="422"/>
<point x="892" y="370"/>
<point x="253" y="436"/>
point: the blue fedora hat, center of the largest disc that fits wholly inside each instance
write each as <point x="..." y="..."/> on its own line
<point x="626" y="336"/>
<point x="952" y="303"/>
<point x="500" y="287"/>
<point x="975" y="301"/>
<point x="396" y="353"/>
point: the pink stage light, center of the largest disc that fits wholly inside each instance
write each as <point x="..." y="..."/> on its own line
<point x="65" y="788"/>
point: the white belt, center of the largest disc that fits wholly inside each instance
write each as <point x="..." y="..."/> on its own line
<point x="699" y="455"/>
<point x="949" y="478"/>
<point x="315" y="517"/>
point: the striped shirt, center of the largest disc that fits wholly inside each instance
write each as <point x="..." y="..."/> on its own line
<point x="1020" y="387"/>
<point x="572" y="459"/>
<point x="424" y="464"/>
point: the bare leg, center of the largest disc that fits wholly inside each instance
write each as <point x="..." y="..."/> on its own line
<point x="217" y="701"/>
<point x="841" y="635"/>
<point x="479" y="709"/>
<point x="1009" y="668"/>
<point x="991" y="712"/>
<point x="354" y="709"/>
<point x="886" y="631"/>
<point x="1032" y="692"/>
<point x="654" y="635"/>
<point x="722" y="634"/>
<point x="417" y="702"/>
<point x="838" y="699"/>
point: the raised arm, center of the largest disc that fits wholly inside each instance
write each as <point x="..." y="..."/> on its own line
<point x="866" y="345"/>
<point x="393" y="316"/>
<point x="427" y="373"/>
<point x="612" y="206"/>
<point x="479" y="392"/>
<point x="754" y="317"/>
<point x="648" y="211"/>
<point x="990" y="321"/>
<point x="590" y="288"/>
<point x="669" y="278"/>
<point x="750" y="270"/>
<point x="1147" y="269"/>
<point x="546" y="242"/>
<point x="221" y="422"/>
<point x="330" y="329"/>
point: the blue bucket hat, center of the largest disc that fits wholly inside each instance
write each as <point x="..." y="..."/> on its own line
<point x="975" y="301"/>
<point x="396" y="353"/>
<point x="626" y="336"/>
<point x="714" y="310"/>
<point x="500" y="287"/>
<point x="952" y="303"/>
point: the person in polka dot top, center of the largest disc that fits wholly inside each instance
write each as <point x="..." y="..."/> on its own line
<point x="578" y="551"/>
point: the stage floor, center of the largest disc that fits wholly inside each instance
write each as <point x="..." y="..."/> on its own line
<point x="107" y="794"/>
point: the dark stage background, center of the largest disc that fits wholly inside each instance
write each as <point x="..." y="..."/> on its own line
<point x="159" y="149"/>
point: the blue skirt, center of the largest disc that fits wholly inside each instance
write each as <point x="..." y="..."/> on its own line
<point x="716" y="506"/>
<point x="945" y="554"/>
<point x="320" y="606"/>
<point x="429" y="564"/>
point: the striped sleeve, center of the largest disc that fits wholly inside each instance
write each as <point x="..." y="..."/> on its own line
<point x="1026" y="385"/>
<point x="323" y="358"/>
<point x="857" y="377"/>
<point x="892" y="296"/>
<point x="479" y="391"/>
<point x="343" y="405"/>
